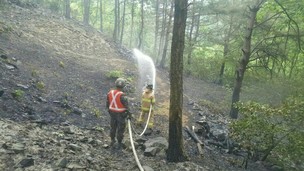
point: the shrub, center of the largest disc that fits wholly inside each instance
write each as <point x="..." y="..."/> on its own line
<point x="61" y="64"/>
<point x="40" y="85"/>
<point x="17" y="94"/>
<point x="114" y="74"/>
<point x="272" y="133"/>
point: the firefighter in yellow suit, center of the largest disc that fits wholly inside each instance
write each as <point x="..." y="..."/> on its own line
<point x="147" y="100"/>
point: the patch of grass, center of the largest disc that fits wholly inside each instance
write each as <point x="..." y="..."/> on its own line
<point x="96" y="112"/>
<point x="67" y="111"/>
<point x="40" y="85"/>
<point x="4" y="28"/>
<point x="17" y="94"/>
<point x="98" y="128"/>
<point x="34" y="73"/>
<point x="114" y="74"/>
<point x="61" y="64"/>
<point x="66" y="95"/>
<point x="93" y="110"/>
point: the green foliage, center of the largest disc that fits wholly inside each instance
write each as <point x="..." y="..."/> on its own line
<point x="5" y="28"/>
<point x="273" y="133"/>
<point x="54" y="6"/>
<point x="115" y="74"/>
<point x="96" y="112"/>
<point x="40" y="85"/>
<point x="98" y="128"/>
<point x="17" y="94"/>
<point x="90" y="106"/>
<point x="61" y="64"/>
<point x="66" y="95"/>
<point x="34" y="73"/>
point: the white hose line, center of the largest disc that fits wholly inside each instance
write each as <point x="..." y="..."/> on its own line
<point x="147" y="121"/>
<point x="133" y="147"/>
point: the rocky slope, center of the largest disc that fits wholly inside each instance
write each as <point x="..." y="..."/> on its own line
<point x="53" y="86"/>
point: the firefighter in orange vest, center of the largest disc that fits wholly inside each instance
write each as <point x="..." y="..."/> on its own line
<point x="117" y="104"/>
<point x="147" y="101"/>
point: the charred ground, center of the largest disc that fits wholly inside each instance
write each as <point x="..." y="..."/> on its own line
<point x="54" y="80"/>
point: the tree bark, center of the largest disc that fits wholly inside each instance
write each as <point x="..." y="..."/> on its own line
<point x="155" y="50"/>
<point x="141" y="32"/>
<point x="101" y="16"/>
<point x="132" y="24"/>
<point x="190" y="41"/>
<point x="123" y="21"/>
<point x="86" y="14"/>
<point x="246" y="50"/>
<point x="168" y="31"/>
<point x="116" y="20"/>
<point x="163" y="28"/>
<point x="175" y="151"/>
<point x="67" y="9"/>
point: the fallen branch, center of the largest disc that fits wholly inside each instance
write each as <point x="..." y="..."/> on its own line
<point x="199" y="143"/>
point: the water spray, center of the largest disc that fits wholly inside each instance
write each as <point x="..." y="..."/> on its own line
<point x="146" y="69"/>
<point x="147" y="74"/>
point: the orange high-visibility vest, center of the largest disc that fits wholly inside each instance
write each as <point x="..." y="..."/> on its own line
<point x="115" y="103"/>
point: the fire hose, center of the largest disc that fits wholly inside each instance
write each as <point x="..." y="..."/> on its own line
<point x="150" y="110"/>
<point x="131" y="138"/>
<point x="133" y="147"/>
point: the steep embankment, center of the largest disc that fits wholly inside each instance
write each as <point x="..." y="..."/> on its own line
<point x="53" y="84"/>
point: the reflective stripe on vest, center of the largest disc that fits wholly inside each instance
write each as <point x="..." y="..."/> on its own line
<point x="146" y="102"/>
<point x="115" y="103"/>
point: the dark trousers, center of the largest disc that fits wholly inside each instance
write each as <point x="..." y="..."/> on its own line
<point x="118" y="126"/>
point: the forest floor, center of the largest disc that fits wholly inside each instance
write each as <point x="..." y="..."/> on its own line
<point x="53" y="86"/>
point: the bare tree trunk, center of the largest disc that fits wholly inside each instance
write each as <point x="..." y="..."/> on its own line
<point x="240" y="71"/>
<point x="194" y="30"/>
<point x="225" y="53"/>
<point x="86" y="14"/>
<point x="132" y="24"/>
<point x="123" y="21"/>
<point x="189" y="61"/>
<point x="116" y="20"/>
<point x="101" y="16"/>
<point x="140" y="35"/>
<point x="222" y="69"/>
<point x="163" y="27"/>
<point x="168" y="31"/>
<point x="175" y="152"/>
<point x="67" y="9"/>
<point x="156" y="27"/>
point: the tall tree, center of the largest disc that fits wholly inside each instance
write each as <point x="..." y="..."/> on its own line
<point x="246" y="50"/>
<point x="175" y="151"/>
<point x="227" y="37"/>
<point x="100" y="16"/>
<point x="156" y="27"/>
<point x="116" y="20"/>
<point x="86" y="14"/>
<point x="141" y="29"/>
<point x="67" y="9"/>
<point x="166" y="43"/>
<point x="123" y="21"/>
<point x="163" y="27"/>
<point x="194" y="29"/>
<point x="132" y="23"/>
